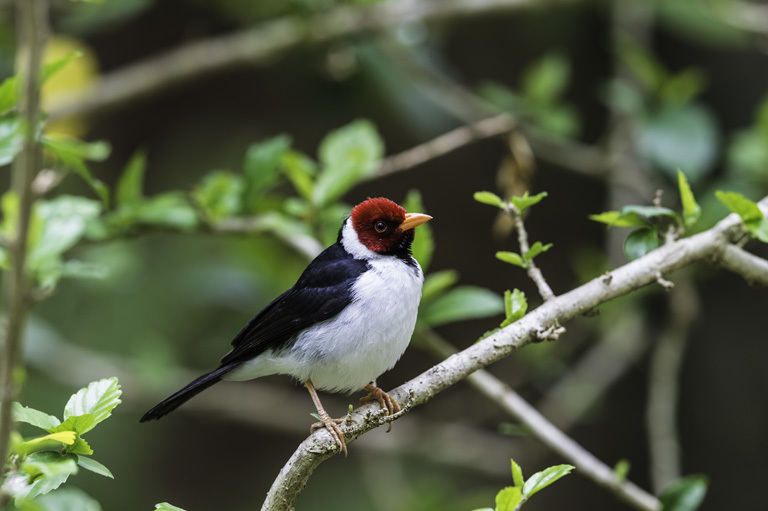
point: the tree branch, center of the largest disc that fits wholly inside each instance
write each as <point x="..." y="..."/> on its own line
<point x="586" y="463"/>
<point x="260" y="45"/>
<point x="32" y="16"/>
<point x="753" y="268"/>
<point x="636" y="274"/>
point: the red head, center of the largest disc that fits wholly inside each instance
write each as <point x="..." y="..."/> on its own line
<point x="383" y="226"/>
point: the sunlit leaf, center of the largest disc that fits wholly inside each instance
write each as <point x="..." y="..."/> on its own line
<point x="515" y="306"/>
<point x="68" y="499"/>
<point x="34" y="417"/>
<point x="511" y="258"/>
<point x="164" y="506"/>
<point x="508" y="498"/>
<point x="220" y="194"/>
<point x="347" y="155"/>
<point x="99" y="398"/>
<point x="545" y="81"/>
<point x="526" y="201"/>
<point x="541" y="480"/>
<point x="619" y="219"/>
<point x="489" y="198"/>
<point x="691" y="209"/>
<point x="517" y="474"/>
<point x="11" y="138"/>
<point x="536" y="249"/>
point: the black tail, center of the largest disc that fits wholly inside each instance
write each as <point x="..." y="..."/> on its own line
<point x="169" y="404"/>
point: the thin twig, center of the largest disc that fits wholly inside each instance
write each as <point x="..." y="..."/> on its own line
<point x="586" y="464"/>
<point x="446" y="143"/>
<point x="634" y="275"/>
<point x="264" y="44"/>
<point x="522" y="238"/>
<point x="32" y="33"/>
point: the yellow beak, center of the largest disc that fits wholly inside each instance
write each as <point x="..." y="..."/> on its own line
<point x="414" y="220"/>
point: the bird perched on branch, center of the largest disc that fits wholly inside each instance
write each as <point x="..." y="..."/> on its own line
<point x="348" y="318"/>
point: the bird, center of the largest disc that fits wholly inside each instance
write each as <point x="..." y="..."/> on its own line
<point x="348" y="318"/>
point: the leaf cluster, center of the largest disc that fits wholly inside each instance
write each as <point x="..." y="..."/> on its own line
<point x="41" y="464"/>
<point x="513" y="497"/>
<point x="538" y="101"/>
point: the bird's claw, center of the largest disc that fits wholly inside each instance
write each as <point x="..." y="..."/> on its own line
<point x="386" y="401"/>
<point x="332" y="425"/>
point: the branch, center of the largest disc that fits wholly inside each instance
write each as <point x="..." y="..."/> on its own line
<point x="754" y="269"/>
<point x="663" y="389"/>
<point x="446" y="143"/>
<point x="319" y="446"/>
<point x="586" y="464"/>
<point x="522" y="238"/>
<point x="32" y="31"/>
<point x="263" y="44"/>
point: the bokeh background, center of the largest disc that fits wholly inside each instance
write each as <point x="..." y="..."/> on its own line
<point x="608" y="99"/>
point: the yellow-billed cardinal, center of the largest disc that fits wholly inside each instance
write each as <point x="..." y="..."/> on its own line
<point x="347" y="319"/>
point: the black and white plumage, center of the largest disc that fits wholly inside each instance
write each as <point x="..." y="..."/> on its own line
<point x="348" y="318"/>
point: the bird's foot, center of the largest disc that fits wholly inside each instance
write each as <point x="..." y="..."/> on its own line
<point x="332" y="425"/>
<point x="386" y="401"/>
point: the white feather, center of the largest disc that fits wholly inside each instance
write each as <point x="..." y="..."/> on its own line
<point x="366" y="339"/>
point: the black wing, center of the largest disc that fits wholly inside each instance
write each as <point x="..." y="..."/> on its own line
<point x="321" y="292"/>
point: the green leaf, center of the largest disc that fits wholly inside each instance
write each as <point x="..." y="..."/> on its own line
<point x="621" y="470"/>
<point x="73" y="153"/>
<point x="681" y="137"/>
<point x="9" y="93"/>
<point x="68" y="499"/>
<point x="686" y="494"/>
<point x="515" y="306"/>
<point x="640" y="242"/>
<point x="94" y="466"/>
<point x="748" y="210"/>
<point x="489" y="198"/>
<point x="347" y="155"/>
<point x="424" y="241"/>
<point x="63" y="223"/>
<point x="437" y="283"/>
<point x="517" y="474"/>
<point x="508" y="498"/>
<point x="541" y="480"/>
<point x="78" y="423"/>
<point x="52" y="441"/>
<point x="51" y="68"/>
<point x="301" y="171"/>
<point x="642" y="63"/>
<point x="462" y="303"/>
<point x="511" y="258"/>
<point x="54" y="468"/>
<point x="99" y="398"/>
<point x="34" y="417"/>
<point x="545" y="81"/>
<point x="536" y="249"/>
<point x="170" y="209"/>
<point x="526" y="201"/>
<point x="691" y="209"/>
<point x="130" y="186"/>
<point x="619" y="219"/>
<point x="164" y="506"/>
<point x="11" y="138"/>
<point x="261" y="167"/>
<point x="220" y="194"/>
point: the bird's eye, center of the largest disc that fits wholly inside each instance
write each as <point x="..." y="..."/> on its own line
<point x="380" y="226"/>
